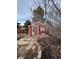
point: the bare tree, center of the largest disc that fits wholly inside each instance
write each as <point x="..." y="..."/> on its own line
<point x="52" y="13"/>
<point x="56" y="6"/>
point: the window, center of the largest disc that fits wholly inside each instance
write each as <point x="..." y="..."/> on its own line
<point x="42" y="28"/>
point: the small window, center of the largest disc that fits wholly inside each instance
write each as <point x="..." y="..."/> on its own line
<point x="42" y="28"/>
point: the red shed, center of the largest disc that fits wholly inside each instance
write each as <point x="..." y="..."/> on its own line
<point x="37" y="28"/>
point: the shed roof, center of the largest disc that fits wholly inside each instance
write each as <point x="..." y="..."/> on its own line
<point x="38" y="23"/>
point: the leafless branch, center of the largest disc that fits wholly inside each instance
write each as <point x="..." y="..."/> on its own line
<point x="56" y="6"/>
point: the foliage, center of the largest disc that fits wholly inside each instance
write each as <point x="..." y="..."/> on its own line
<point x="39" y="11"/>
<point x="27" y="23"/>
<point x="18" y="25"/>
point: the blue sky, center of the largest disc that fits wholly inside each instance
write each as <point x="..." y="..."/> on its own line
<point x="23" y="10"/>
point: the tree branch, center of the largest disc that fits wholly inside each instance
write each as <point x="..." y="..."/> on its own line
<point x="56" y="6"/>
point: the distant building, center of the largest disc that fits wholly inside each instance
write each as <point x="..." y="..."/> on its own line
<point x="21" y="32"/>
